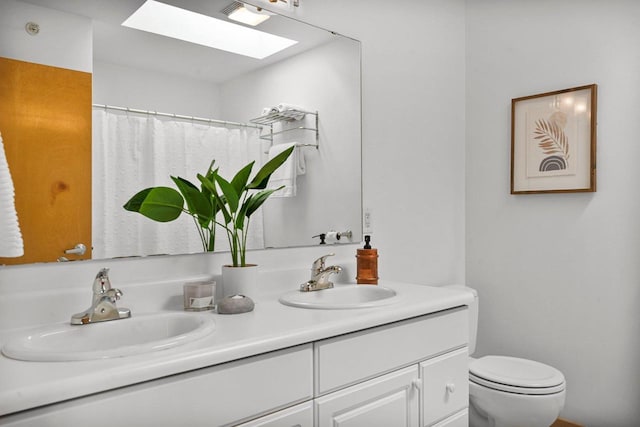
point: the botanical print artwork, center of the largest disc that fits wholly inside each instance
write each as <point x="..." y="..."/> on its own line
<point x="549" y="138"/>
<point x="552" y="140"/>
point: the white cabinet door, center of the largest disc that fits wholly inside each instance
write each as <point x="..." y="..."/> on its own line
<point x="297" y="416"/>
<point x="445" y="385"/>
<point x="389" y="400"/>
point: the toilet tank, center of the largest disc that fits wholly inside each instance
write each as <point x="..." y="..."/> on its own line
<point x="473" y="316"/>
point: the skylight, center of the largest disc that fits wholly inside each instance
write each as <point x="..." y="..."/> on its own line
<point x="181" y="24"/>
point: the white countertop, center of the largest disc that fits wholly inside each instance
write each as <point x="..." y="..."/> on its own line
<point x="271" y="326"/>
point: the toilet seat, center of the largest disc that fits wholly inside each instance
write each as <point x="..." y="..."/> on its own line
<point x="514" y="375"/>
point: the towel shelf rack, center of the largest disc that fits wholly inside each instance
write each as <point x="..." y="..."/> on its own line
<point x="287" y="116"/>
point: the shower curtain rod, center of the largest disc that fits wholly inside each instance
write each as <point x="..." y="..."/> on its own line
<point x="176" y="116"/>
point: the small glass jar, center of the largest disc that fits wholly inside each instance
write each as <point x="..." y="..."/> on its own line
<point x="199" y="296"/>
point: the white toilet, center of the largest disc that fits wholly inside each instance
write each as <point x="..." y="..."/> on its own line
<point x="508" y="391"/>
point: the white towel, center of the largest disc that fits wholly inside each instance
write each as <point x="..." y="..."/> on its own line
<point x="11" y="244"/>
<point x="287" y="173"/>
<point x="291" y="111"/>
<point x="269" y="110"/>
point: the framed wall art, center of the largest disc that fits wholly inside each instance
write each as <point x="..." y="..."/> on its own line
<point x="553" y="142"/>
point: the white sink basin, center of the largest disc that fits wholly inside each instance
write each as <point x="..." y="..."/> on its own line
<point x="341" y="297"/>
<point x="115" y="338"/>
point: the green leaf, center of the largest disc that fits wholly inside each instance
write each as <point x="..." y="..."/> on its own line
<point x="197" y="203"/>
<point x="225" y="212"/>
<point x="210" y="169"/>
<point x="218" y="201"/>
<point x="239" y="181"/>
<point x="258" y="199"/>
<point x="208" y="183"/>
<point x="209" y="176"/>
<point x="261" y="179"/>
<point x="230" y="194"/>
<point x="162" y="204"/>
<point x="242" y="213"/>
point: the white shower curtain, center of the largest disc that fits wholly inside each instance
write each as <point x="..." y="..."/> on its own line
<point x="132" y="152"/>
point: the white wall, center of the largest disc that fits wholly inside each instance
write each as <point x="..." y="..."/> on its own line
<point x="323" y="79"/>
<point x="558" y="274"/>
<point x="64" y="40"/>
<point x="142" y="89"/>
<point x="413" y="129"/>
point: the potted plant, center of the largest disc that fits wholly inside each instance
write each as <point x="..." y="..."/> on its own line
<point x="237" y="200"/>
<point x="164" y="204"/>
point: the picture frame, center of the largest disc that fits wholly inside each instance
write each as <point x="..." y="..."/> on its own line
<point x="553" y="141"/>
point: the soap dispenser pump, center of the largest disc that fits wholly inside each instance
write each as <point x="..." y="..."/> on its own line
<point x="367" y="260"/>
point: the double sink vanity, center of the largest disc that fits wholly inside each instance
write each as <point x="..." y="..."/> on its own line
<point x="391" y="355"/>
<point x="354" y="355"/>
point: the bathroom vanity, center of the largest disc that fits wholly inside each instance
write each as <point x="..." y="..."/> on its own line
<point x="403" y="363"/>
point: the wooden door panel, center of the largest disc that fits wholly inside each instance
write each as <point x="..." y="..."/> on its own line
<point x="45" y="121"/>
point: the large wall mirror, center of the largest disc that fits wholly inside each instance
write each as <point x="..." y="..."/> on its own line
<point x="150" y="100"/>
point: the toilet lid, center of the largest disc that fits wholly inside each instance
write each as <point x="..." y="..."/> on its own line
<point x="516" y="375"/>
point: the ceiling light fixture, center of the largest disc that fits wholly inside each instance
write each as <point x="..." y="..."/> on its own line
<point x="246" y="14"/>
<point x="181" y="24"/>
<point x="295" y="3"/>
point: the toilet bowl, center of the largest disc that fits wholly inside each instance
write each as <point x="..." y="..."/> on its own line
<point x="508" y="391"/>
<point x="511" y="392"/>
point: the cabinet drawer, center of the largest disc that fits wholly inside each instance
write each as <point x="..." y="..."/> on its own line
<point x="221" y="395"/>
<point x="351" y="358"/>
<point x="445" y="385"/>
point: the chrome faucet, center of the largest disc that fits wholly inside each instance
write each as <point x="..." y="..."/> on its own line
<point x="103" y="304"/>
<point x="320" y="275"/>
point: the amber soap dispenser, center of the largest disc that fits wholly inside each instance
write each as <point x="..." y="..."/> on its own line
<point x="367" y="264"/>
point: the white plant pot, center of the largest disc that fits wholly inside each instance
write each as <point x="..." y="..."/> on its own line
<point x="239" y="280"/>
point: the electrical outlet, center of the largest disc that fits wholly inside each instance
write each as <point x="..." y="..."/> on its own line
<point x="367" y="227"/>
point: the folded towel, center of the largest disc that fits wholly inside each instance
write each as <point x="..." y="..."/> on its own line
<point x="291" y="111"/>
<point x="269" y="110"/>
<point x="11" y="244"/>
<point x="287" y="173"/>
<point x="283" y="106"/>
